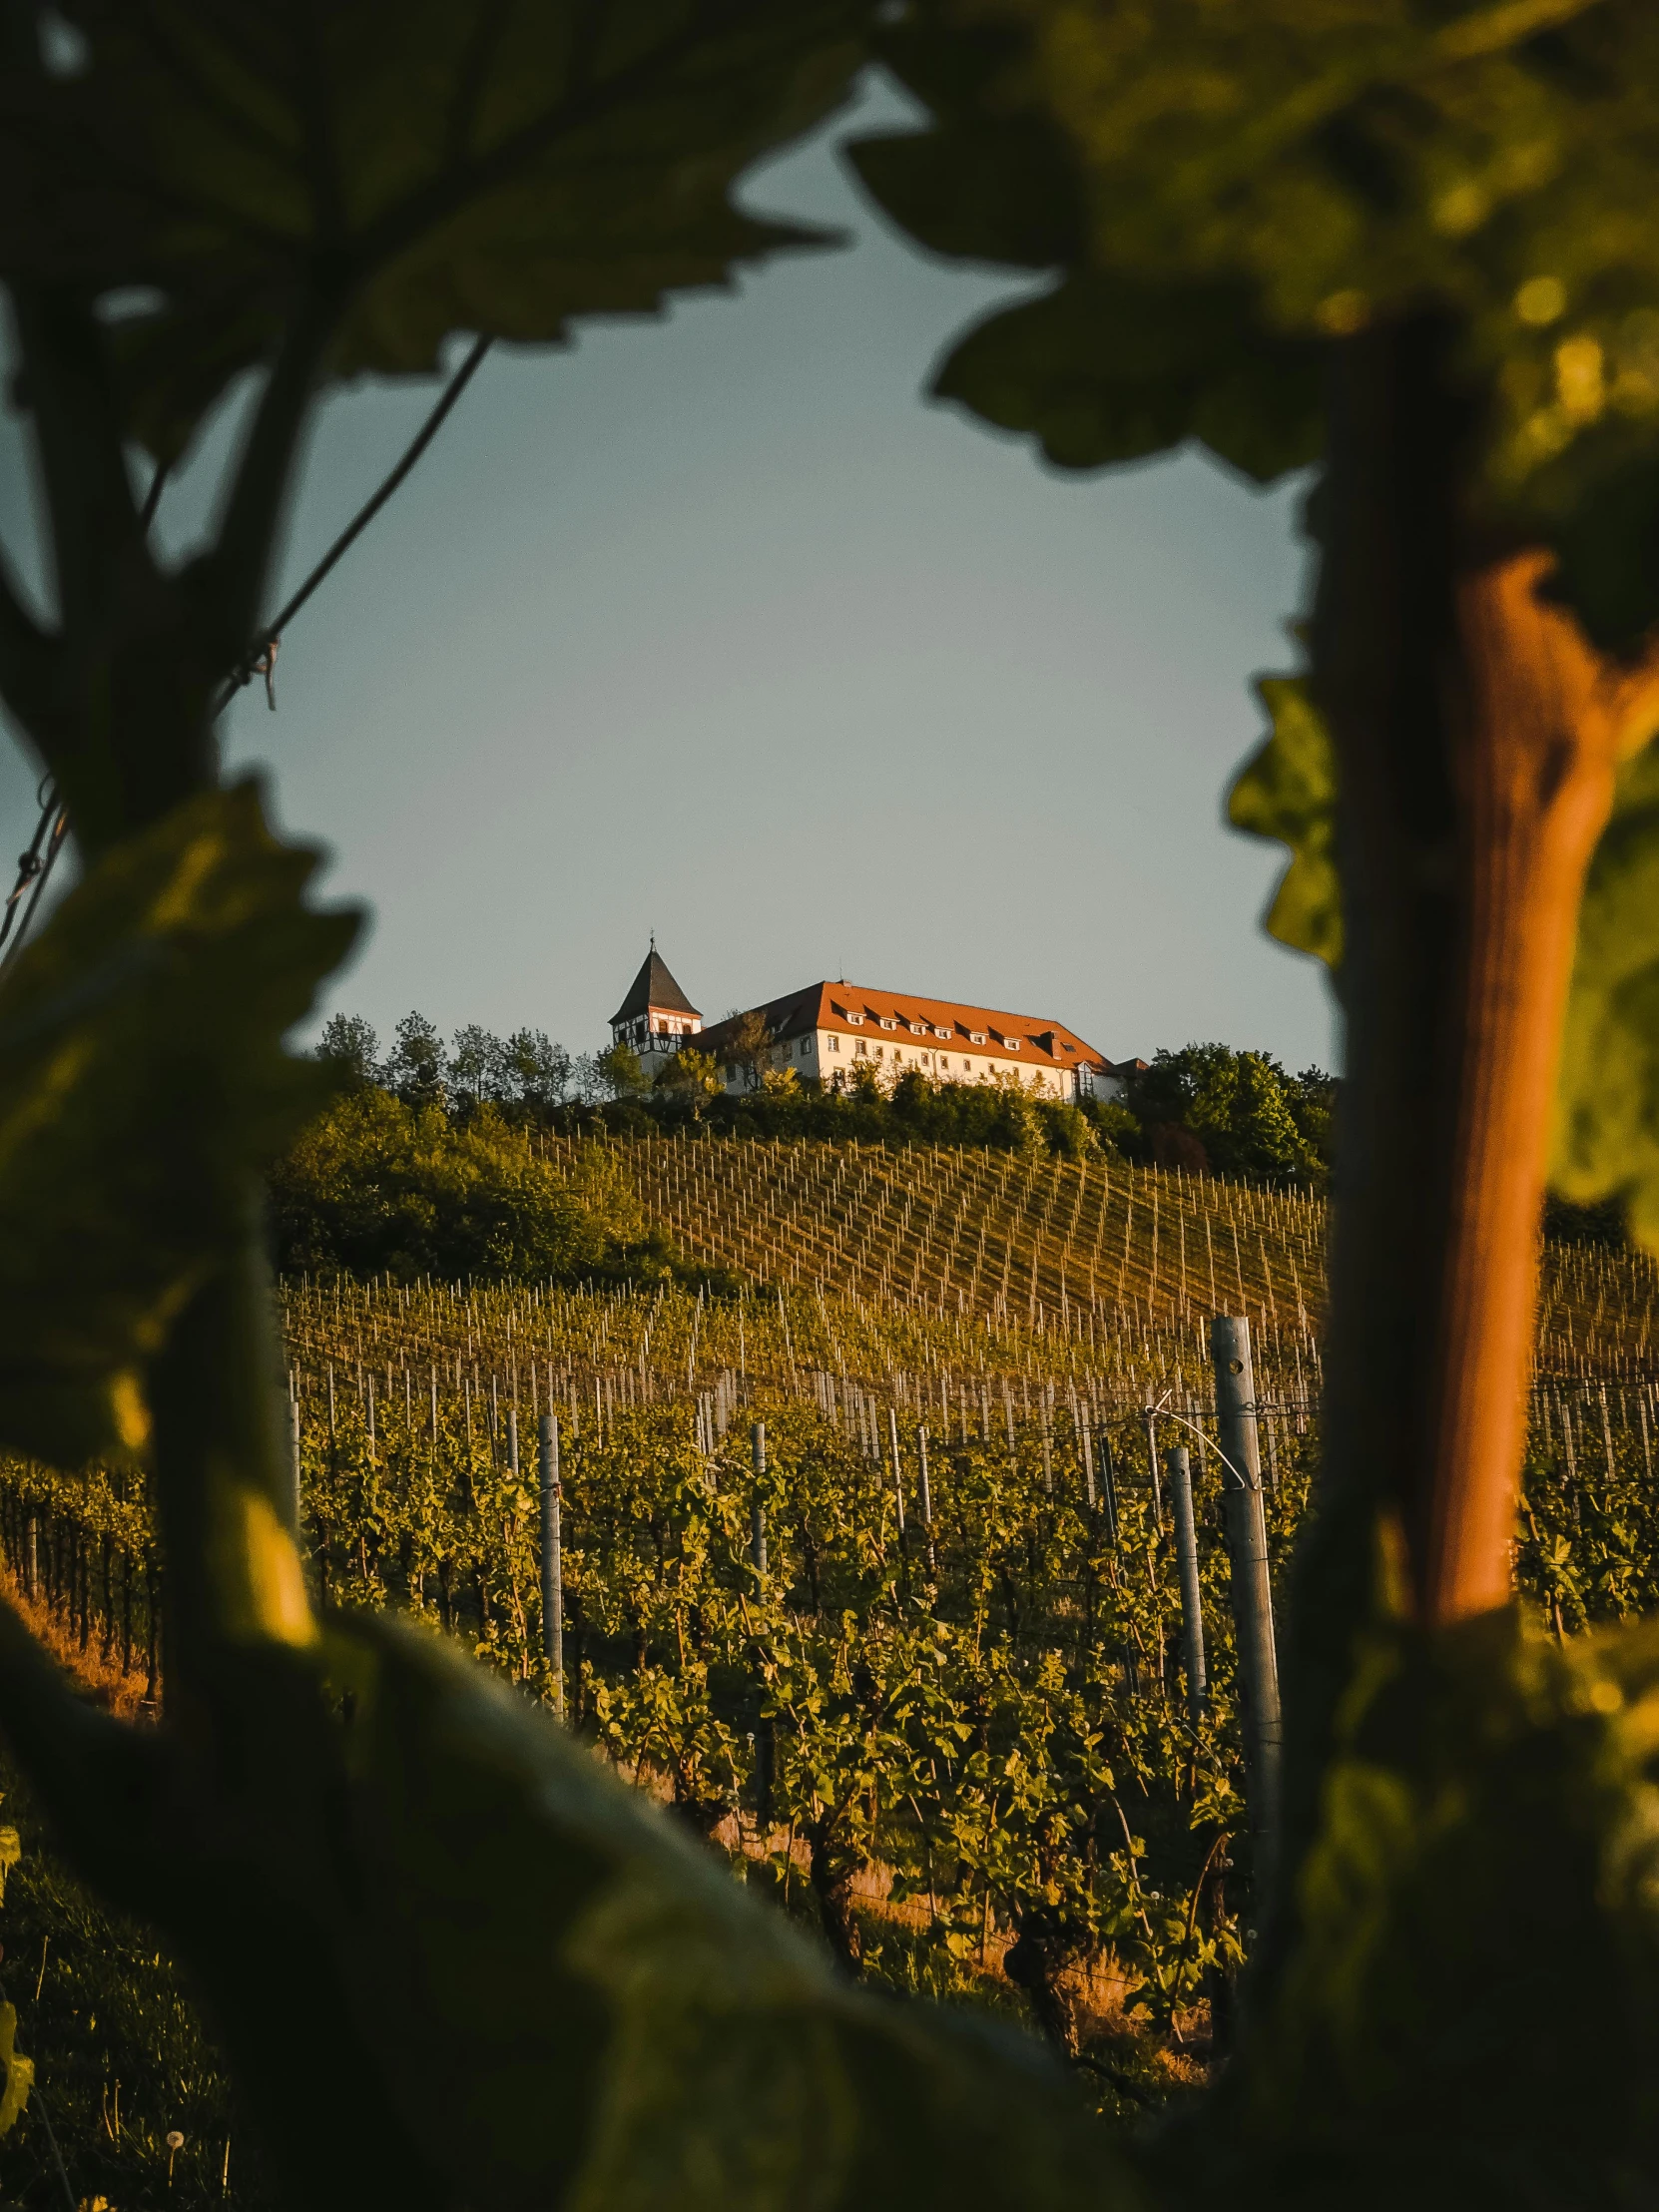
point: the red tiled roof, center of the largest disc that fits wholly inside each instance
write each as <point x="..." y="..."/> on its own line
<point x="857" y="1010"/>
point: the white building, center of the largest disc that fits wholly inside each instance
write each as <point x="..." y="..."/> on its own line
<point x="829" y="1029"/>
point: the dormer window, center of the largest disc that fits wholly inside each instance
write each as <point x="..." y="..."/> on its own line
<point x="854" y="1020"/>
<point x="918" y="1030"/>
<point x="977" y="1036"/>
<point x="941" y="1032"/>
<point x="890" y="1021"/>
<point x="1012" y="1043"/>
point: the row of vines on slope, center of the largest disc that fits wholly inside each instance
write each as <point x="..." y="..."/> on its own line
<point x="1087" y="1248"/>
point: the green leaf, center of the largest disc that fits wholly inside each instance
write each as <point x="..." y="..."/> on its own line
<point x="525" y="1984"/>
<point x="1270" y="181"/>
<point x="1287" y="791"/>
<point x="1607" y="1106"/>
<point x="1481" y="1885"/>
<point x="1108" y="370"/>
<point x="20" y="2071"/>
<point x="1606" y="1142"/>
<point x="1109" y="365"/>
<point x="143" y="1084"/>
<point x="11" y="1851"/>
<point x="411" y="170"/>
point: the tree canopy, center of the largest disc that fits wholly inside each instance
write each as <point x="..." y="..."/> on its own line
<point x="379" y="1186"/>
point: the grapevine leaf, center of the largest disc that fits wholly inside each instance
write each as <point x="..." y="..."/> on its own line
<point x="20" y="2071"/>
<point x="153" y="1003"/>
<point x="540" y="1987"/>
<point x="1272" y="182"/>
<point x="1110" y="366"/>
<point x="1483" y="1783"/>
<point x="1287" y="791"/>
<point x="498" y="165"/>
<point x="1606" y="1141"/>
<point x="1108" y="370"/>
<point x="1607" y="1107"/>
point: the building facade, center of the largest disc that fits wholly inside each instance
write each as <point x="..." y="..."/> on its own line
<point x="656" y="1018"/>
<point x="831" y="1029"/>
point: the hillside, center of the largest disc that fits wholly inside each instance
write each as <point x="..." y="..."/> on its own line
<point x="1082" y="1247"/>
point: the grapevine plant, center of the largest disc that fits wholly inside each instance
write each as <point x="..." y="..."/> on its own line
<point x="969" y="1715"/>
<point x="1393" y="241"/>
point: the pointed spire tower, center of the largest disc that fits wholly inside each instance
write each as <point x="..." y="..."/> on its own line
<point x="656" y="1017"/>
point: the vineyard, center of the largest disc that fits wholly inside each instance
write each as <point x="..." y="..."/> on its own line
<point x="1089" y="1247"/>
<point x="869" y="1571"/>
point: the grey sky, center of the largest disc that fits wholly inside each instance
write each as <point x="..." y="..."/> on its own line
<point x="713" y="625"/>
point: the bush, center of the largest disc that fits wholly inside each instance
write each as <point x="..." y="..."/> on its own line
<point x="380" y="1187"/>
<point x="1209" y="1109"/>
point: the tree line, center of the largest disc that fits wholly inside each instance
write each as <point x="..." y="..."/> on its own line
<point x="1208" y="1109"/>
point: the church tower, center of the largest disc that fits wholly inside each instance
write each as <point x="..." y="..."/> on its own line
<point x="656" y="1017"/>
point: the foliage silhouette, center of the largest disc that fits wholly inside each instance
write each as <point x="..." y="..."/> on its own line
<point x="1396" y="239"/>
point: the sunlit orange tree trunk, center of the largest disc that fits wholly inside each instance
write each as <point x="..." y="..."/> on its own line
<point x="1477" y="734"/>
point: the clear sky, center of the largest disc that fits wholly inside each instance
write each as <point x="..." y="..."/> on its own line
<point x="713" y="625"/>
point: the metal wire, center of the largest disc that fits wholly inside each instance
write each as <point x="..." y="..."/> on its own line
<point x="260" y="658"/>
<point x="34" y="866"/>
<point x="42" y="876"/>
<point x="31" y="867"/>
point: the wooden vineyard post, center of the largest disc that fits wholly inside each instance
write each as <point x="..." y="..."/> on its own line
<point x="294" y="1461"/>
<point x="758" y="1503"/>
<point x="1247" y="1545"/>
<point x="758" y="1557"/>
<point x="1151" y="1419"/>
<point x="926" y="1505"/>
<point x="897" y="1473"/>
<point x="552" y="1562"/>
<point x="1179" y="1468"/>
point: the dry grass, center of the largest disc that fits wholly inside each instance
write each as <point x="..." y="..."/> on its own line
<point x="99" y="1673"/>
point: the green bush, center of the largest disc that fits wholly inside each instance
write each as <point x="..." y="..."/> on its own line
<point x="380" y="1187"/>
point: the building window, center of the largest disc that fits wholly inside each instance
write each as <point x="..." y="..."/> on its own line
<point x="806" y="1046"/>
<point x="834" y="1045"/>
<point x="862" y="1045"/>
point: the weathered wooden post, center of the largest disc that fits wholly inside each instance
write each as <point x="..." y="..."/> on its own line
<point x="293" y="1462"/>
<point x="1246" y="1546"/>
<point x="758" y="1503"/>
<point x="1151" y="1420"/>
<point x="758" y="1557"/>
<point x="552" y="1561"/>
<point x="926" y="1505"/>
<point x="1178" y="1467"/>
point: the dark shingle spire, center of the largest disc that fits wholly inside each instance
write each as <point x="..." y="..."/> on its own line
<point x="653" y="986"/>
